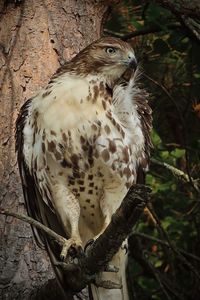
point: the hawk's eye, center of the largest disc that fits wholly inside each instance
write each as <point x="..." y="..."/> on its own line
<point x="110" y="50"/>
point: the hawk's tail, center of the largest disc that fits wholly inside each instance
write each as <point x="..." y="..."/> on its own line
<point x="99" y="293"/>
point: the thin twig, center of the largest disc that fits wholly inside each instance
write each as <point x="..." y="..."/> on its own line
<point x="164" y="243"/>
<point x="192" y="26"/>
<point x="142" y="31"/>
<point x="183" y="125"/>
<point x="175" y="145"/>
<point x="175" y="250"/>
<point x="159" y="280"/>
<point x="180" y="7"/>
<point x="58" y="238"/>
<point x="138" y="253"/>
<point x="177" y="173"/>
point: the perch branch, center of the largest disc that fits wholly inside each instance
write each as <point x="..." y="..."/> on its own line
<point x="106" y="246"/>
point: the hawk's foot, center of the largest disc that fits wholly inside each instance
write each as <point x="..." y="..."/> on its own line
<point x="71" y="248"/>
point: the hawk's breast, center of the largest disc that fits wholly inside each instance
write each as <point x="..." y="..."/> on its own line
<point x="74" y="137"/>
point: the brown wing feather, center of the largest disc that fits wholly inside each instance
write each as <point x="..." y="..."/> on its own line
<point x="36" y="207"/>
<point x="145" y="113"/>
<point x="28" y="182"/>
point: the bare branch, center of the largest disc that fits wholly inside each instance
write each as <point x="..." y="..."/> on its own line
<point x="165" y="243"/>
<point x="141" y="256"/>
<point x="192" y="26"/>
<point x="187" y="12"/>
<point x="180" y="7"/>
<point x="179" y="256"/>
<point x="58" y="238"/>
<point x="142" y="31"/>
<point x="177" y="173"/>
<point x="182" y="123"/>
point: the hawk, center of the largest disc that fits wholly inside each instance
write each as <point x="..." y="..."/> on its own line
<point x="80" y="142"/>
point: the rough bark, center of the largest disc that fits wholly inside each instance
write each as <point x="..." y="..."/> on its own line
<point x="35" y="38"/>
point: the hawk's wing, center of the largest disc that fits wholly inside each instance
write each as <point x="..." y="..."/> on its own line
<point x="145" y="113"/>
<point x="28" y="183"/>
<point x="140" y="99"/>
<point x="36" y="207"/>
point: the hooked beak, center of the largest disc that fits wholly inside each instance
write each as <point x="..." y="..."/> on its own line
<point x="132" y="63"/>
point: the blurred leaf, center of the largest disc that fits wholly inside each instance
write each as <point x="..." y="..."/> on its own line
<point x="158" y="263"/>
<point x="155" y="138"/>
<point x="178" y="153"/>
<point x="164" y="154"/>
<point x="167" y="222"/>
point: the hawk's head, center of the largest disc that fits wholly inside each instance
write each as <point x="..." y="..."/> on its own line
<point x="107" y="57"/>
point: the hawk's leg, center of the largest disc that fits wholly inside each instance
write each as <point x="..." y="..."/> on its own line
<point x="111" y="276"/>
<point x="109" y="205"/>
<point x="68" y="209"/>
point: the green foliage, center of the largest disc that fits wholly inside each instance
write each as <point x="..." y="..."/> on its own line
<point x="171" y="59"/>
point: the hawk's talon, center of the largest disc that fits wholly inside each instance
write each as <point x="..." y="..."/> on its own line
<point x="75" y="251"/>
<point x="71" y="248"/>
<point x="64" y="251"/>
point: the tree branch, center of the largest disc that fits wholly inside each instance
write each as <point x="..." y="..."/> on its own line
<point x="58" y="238"/>
<point x="192" y="26"/>
<point x="180" y="256"/>
<point x="180" y="7"/>
<point x="142" y="31"/>
<point x="187" y="12"/>
<point x="165" y="243"/>
<point x="178" y="173"/>
<point x="106" y="246"/>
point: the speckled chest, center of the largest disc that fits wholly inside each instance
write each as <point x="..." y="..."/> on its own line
<point x="82" y="145"/>
<point x="90" y="158"/>
<point x="95" y="157"/>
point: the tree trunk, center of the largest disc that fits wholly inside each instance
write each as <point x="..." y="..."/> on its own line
<point x="36" y="37"/>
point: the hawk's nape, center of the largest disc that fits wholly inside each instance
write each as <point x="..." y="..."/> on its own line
<point x="80" y="142"/>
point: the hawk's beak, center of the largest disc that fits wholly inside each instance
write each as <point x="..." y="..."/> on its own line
<point x="132" y="63"/>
